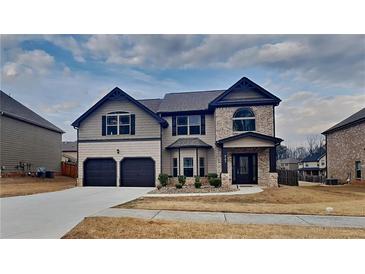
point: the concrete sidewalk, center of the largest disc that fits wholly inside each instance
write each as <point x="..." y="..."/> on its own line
<point x="236" y="218"/>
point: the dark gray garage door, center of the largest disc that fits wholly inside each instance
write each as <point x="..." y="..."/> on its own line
<point x="100" y="172"/>
<point x="137" y="172"/>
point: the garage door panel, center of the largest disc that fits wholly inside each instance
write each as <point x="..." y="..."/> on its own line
<point x="137" y="172"/>
<point x="100" y="172"/>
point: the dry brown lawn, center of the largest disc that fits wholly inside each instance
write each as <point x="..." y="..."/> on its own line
<point x="133" y="228"/>
<point x="346" y="200"/>
<point x="19" y="186"/>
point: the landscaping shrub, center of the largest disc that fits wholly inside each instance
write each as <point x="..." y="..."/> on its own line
<point x="197" y="179"/>
<point x="197" y="184"/>
<point x="178" y="185"/>
<point x="212" y="175"/>
<point x="163" y="178"/>
<point x="216" y="182"/>
<point x="182" y="180"/>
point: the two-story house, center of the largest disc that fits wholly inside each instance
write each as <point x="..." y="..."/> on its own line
<point x="127" y="142"/>
<point x="313" y="167"/>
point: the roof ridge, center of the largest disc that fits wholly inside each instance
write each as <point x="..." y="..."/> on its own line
<point x="184" y="92"/>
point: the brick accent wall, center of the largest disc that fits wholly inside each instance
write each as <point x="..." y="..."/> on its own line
<point x="224" y="124"/>
<point x="344" y="147"/>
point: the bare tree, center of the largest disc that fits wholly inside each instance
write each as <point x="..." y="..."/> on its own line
<point x="315" y="143"/>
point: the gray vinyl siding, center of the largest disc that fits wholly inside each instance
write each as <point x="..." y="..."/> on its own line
<point x="246" y="94"/>
<point x="209" y="154"/>
<point x="146" y="125"/>
<point x="23" y="142"/>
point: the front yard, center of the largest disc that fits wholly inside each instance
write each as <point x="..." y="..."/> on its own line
<point x="133" y="228"/>
<point x="19" y="186"/>
<point x="348" y="200"/>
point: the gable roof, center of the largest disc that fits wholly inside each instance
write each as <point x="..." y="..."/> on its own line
<point x="14" y="109"/>
<point x="188" y="101"/>
<point x="188" y="143"/>
<point x="354" y="119"/>
<point x="118" y="93"/>
<point x="314" y="157"/>
<point x="245" y="83"/>
<point x="69" y="146"/>
<point x="275" y="140"/>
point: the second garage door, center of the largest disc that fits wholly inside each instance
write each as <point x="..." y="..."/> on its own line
<point x="137" y="172"/>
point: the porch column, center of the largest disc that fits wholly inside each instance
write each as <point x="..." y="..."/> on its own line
<point x="179" y="163"/>
<point x="197" y="163"/>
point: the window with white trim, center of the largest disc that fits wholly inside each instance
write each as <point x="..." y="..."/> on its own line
<point x="358" y="169"/>
<point x="244" y="120"/>
<point x="174" y="167"/>
<point x="118" y="124"/>
<point x="188" y="167"/>
<point x="188" y="125"/>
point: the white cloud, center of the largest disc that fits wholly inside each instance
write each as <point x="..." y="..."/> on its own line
<point x="27" y="63"/>
<point x="61" y="107"/>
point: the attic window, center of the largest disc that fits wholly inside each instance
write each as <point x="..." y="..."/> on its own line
<point x="244" y="120"/>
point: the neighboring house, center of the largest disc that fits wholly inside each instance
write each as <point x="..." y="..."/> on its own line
<point x="345" y="143"/>
<point x="69" y="152"/>
<point x="127" y="142"/>
<point x="287" y="164"/>
<point x="313" y="166"/>
<point x="27" y="141"/>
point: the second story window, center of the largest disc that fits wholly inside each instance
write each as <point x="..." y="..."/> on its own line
<point x="118" y="124"/>
<point x="244" y="120"/>
<point x="188" y="125"/>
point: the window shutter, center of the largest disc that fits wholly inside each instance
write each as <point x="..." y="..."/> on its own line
<point x="133" y="124"/>
<point x="103" y="125"/>
<point x="173" y="125"/>
<point x="202" y="119"/>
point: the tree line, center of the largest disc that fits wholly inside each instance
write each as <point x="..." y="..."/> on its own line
<point x="313" y="145"/>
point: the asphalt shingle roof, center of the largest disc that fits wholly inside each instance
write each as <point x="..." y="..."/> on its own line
<point x="152" y="104"/>
<point x="314" y="157"/>
<point x="13" y="108"/>
<point x="69" y="146"/>
<point x="189" y="143"/>
<point x="188" y="101"/>
<point x="354" y="118"/>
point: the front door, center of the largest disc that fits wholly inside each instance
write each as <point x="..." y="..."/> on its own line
<point x="244" y="168"/>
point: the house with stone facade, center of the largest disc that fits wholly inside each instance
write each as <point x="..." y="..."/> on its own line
<point x="122" y="141"/>
<point x="345" y="144"/>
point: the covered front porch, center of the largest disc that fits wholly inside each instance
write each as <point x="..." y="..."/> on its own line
<point x="249" y="158"/>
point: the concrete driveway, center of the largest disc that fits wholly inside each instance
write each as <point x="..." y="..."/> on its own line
<point x="53" y="214"/>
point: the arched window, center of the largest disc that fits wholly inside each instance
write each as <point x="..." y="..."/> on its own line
<point x="244" y="120"/>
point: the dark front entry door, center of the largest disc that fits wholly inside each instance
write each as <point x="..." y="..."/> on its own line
<point x="244" y="168"/>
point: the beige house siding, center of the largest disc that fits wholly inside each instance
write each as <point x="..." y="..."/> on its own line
<point x="224" y="123"/>
<point x="126" y="149"/>
<point x="146" y="125"/>
<point x="209" y="138"/>
<point x="344" y="147"/>
<point x="23" y="142"/>
<point x="69" y="154"/>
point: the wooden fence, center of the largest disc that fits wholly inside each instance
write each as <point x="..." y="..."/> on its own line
<point x="313" y="178"/>
<point x="69" y="169"/>
<point x="288" y="177"/>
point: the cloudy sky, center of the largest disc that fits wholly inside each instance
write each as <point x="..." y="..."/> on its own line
<point x="320" y="78"/>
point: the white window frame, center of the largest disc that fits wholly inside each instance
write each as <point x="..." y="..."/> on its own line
<point x="118" y="125"/>
<point x="188" y="125"/>
<point x="192" y="165"/>
<point x="358" y="168"/>
<point x="243" y="118"/>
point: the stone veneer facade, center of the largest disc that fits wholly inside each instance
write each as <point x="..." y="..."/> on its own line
<point x="344" y="147"/>
<point x="264" y="116"/>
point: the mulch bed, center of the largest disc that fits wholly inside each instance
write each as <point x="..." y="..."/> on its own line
<point x="192" y="189"/>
